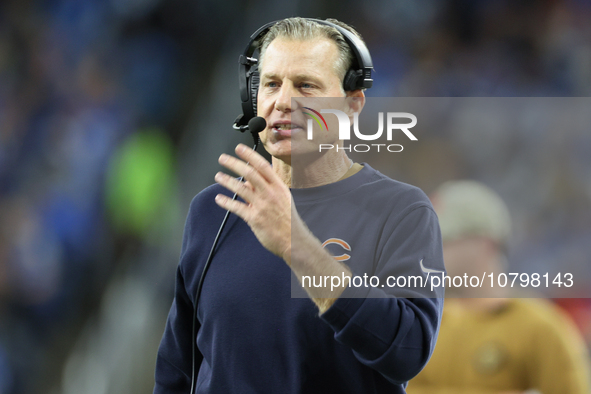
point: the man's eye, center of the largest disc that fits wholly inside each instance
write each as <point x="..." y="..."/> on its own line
<point x="305" y="85"/>
<point x="271" y="84"/>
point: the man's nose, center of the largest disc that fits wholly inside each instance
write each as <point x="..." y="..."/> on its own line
<point x="285" y="102"/>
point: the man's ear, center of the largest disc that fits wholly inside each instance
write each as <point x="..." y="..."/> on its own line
<point x="355" y="102"/>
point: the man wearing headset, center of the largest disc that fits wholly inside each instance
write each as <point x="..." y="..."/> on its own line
<point x="252" y="336"/>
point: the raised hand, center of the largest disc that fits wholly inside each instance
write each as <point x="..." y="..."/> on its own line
<point x="268" y="204"/>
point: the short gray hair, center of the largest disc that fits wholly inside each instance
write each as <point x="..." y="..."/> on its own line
<point x="305" y="29"/>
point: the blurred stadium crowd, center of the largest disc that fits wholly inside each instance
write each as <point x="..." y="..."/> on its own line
<point x="113" y="112"/>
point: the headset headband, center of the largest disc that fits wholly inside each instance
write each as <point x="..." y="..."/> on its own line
<point x="357" y="77"/>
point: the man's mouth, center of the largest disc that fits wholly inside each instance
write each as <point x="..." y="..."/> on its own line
<point x="285" y="129"/>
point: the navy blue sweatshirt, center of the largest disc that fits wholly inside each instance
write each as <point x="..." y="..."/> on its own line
<point x="254" y="337"/>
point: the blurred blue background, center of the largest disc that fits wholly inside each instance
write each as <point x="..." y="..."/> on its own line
<point x="113" y="114"/>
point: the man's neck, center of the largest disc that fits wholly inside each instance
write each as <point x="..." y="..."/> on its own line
<point x="326" y="169"/>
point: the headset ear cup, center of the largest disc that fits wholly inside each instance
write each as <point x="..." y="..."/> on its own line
<point x="351" y="80"/>
<point x="254" y="90"/>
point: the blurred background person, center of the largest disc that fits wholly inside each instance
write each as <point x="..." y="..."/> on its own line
<point x="497" y="344"/>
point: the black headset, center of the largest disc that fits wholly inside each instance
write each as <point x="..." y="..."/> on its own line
<point x="357" y="77"/>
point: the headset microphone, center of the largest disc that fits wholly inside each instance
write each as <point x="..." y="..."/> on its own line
<point x="255" y="126"/>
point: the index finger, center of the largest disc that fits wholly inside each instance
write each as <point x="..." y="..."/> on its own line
<point x="257" y="161"/>
<point x="247" y="171"/>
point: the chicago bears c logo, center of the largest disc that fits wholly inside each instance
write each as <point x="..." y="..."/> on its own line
<point x="343" y="244"/>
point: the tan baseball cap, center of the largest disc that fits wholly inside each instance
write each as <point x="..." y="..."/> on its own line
<point x="469" y="208"/>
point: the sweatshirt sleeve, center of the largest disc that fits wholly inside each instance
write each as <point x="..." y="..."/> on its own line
<point x="174" y="359"/>
<point x="394" y="335"/>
